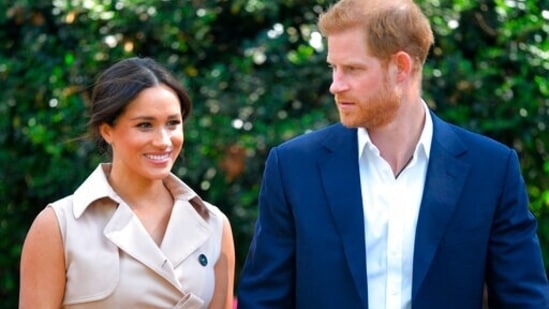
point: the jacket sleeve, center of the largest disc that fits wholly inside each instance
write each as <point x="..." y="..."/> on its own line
<point x="267" y="279"/>
<point x="516" y="277"/>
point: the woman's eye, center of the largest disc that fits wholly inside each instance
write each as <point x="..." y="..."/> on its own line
<point x="174" y="123"/>
<point x="144" y="125"/>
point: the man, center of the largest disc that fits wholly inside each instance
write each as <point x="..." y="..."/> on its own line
<point x="393" y="207"/>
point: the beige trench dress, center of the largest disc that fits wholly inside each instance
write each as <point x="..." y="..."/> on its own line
<point x="112" y="262"/>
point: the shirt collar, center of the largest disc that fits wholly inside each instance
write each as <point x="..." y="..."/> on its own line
<point x="424" y="143"/>
<point x="97" y="187"/>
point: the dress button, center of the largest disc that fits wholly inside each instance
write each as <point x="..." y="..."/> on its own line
<point x="203" y="260"/>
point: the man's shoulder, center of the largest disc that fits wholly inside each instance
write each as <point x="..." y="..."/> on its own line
<point x="446" y="132"/>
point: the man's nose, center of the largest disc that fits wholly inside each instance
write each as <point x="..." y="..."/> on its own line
<point x="338" y="84"/>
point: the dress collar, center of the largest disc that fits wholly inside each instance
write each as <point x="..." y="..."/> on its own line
<point x="96" y="187"/>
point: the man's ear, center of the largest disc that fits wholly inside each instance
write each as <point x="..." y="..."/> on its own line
<point x="403" y="64"/>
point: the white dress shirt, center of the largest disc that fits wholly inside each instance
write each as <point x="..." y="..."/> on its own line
<point x="391" y="208"/>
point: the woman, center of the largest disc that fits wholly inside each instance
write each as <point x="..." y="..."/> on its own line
<point x="132" y="235"/>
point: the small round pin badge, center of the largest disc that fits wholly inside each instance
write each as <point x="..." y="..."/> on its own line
<point x="203" y="260"/>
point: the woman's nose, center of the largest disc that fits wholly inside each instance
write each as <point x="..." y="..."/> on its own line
<point x="162" y="138"/>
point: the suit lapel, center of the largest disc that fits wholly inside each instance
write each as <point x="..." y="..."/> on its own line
<point x="446" y="175"/>
<point x="341" y="181"/>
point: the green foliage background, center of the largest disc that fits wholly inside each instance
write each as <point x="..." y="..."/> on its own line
<point x="257" y="75"/>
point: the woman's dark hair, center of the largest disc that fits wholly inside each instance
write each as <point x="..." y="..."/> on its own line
<point x="117" y="86"/>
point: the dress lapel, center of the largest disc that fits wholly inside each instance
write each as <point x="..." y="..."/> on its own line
<point x="126" y="231"/>
<point x="446" y="176"/>
<point x="186" y="232"/>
